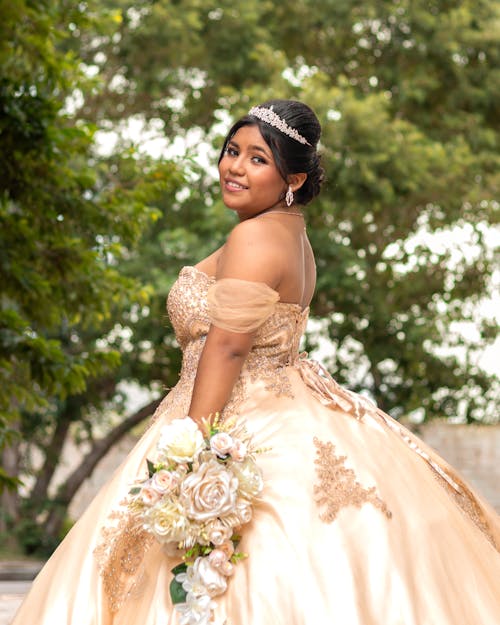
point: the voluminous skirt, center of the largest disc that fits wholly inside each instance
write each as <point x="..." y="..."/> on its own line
<point x="355" y="527"/>
<point x="359" y="523"/>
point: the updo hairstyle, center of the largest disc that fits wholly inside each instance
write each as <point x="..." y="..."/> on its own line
<point x="291" y="156"/>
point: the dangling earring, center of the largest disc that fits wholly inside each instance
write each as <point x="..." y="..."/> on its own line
<point x="289" y="196"/>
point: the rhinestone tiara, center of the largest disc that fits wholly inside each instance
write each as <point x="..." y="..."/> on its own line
<point x="273" y="119"/>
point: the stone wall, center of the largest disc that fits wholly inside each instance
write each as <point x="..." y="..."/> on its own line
<point x="473" y="450"/>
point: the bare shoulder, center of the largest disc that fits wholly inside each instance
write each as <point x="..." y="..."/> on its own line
<point x="253" y="252"/>
<point x="255" y="231"/>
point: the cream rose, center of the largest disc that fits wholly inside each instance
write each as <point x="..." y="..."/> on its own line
<point x="164" y="481"/>
<point x="238" y="451"/>
<point x="180" y="440"/>
<point x="181" y="470"/>
<point x="168" y="522"/>
<point x="243" y="511"/>
<point x="219" y="534"/>
<point x="249" y="477"/>
<point x="213" y="581"/>
<point x="208" y="493"/>
<point x="221" y="443"/>
<point x="217" y="557"/>
<point x="149" y="495"/>
<point x="227" y="568"/>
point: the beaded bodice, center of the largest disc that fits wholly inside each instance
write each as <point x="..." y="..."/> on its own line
<point x="276" y="342"/>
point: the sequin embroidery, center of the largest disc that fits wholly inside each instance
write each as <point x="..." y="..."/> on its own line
<point x="120" y="557"/>
<point x="338" y="487"/>
<point x="467" y="503"/>
<point x="123" y="545"/>
<point x="275" y="344"/>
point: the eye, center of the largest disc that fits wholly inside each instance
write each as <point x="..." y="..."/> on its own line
<point x="259" y="160"/>
<point x="230" y="151"/>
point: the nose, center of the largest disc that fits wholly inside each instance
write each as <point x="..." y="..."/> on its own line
<point x="236" y="165"/>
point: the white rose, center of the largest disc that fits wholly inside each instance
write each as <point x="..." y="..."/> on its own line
<point x="214" y="582"/>
<point x="164" y="481"/>
<point x="221" y="443"/>
<point x="249" y="477"/>
<point x="180" y="440"/>
<point x="238" y="451"/>
<point x="209" y="492"/>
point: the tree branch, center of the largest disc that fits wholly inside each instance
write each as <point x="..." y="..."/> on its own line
<point x="68" y="489"/>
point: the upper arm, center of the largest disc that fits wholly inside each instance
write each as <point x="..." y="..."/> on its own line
<point x="252" y="253"/>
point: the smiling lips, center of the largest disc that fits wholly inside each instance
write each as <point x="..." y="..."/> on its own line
<point x="232" y="185"/>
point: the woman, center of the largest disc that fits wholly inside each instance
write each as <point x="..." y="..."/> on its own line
<point x="358" y="523"/>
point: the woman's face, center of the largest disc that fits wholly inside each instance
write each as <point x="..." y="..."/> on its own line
<point x="249" y="179"/>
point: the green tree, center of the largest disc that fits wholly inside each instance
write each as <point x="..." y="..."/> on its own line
<point x="408" y="96"/>
<point x="407" y="93"/>
<point x="67" y="219"/>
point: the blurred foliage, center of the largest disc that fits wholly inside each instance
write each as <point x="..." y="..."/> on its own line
<point x="68" y="218"/>
<point x="408" y="96"/>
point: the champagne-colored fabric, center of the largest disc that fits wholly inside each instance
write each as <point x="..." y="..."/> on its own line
<point x="240" y="305"/>
<point x="360" y="523"/>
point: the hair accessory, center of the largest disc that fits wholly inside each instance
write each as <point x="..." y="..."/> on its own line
<point x="273" y="119"/>
<point x="289" y="196"/>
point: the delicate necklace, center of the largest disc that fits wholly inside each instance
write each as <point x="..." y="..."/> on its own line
<point x="280" y="212"/>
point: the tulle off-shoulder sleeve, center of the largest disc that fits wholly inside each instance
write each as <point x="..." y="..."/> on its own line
<point x="240" y="305"/>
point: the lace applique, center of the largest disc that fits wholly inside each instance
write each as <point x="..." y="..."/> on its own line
<point x="275" y="344"/>
<point x="120" y="556"/>
<point x="338" y="486"/>
<point x="276" y="382"/>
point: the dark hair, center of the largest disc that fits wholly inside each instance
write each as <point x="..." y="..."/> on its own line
<point x="291" y="156"/>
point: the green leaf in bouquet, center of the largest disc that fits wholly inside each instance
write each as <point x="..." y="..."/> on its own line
<point x="195" y="551"/>
<point x="237" y="556"/>
<point x="180" y="568"/>
<point x="135" y="490"/>
<point x="151" y="468"/>
<point x="177" y="592"/>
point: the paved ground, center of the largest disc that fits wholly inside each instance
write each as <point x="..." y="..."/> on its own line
<point x="11" y="594"/>
<point x="15" y="580"/>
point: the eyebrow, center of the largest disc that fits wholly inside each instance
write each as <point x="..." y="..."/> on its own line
<point x="256" y="148"/>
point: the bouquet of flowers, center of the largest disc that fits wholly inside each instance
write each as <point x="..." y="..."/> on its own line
<point x="199" y="492"/>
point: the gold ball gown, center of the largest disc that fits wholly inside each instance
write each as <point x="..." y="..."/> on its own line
<point x="359" y="522"/>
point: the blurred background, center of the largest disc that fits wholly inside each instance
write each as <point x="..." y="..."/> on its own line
<point x="111" y="117"/>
